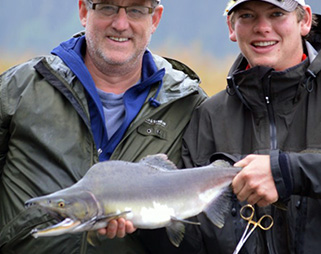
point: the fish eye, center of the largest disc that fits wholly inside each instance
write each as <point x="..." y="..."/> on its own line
<point x="61" y="204"/>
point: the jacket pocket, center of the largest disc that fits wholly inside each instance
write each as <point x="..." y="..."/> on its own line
<point x="156" y="129"/>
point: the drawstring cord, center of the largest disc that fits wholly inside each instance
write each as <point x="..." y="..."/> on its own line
<point x="310" y="81"/>
<point x="152" y="101"/>
<point x="233" y="87"/>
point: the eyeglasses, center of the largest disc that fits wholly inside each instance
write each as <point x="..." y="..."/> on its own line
<point x="133" y="12"/>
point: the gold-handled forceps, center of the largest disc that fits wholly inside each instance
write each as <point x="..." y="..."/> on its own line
<point x="268" y="223"/>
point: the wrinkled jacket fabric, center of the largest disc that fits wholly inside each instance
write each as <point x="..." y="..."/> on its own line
<point x="264" y="111"/>
<point x="46" y="144"/>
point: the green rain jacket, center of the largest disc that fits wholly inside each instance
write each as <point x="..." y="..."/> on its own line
<point x="46" y="144"/>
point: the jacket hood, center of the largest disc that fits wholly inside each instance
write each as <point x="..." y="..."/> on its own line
<point x="179" y="79"/>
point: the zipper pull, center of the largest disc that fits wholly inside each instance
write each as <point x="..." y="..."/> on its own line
<point x="267" y="99"/>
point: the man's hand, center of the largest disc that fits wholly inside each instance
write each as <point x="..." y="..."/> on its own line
<point x="254" y="182"/>
<point x="119" y="228"/>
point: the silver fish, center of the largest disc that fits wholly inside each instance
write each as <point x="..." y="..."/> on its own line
<point x="152" y="193"/>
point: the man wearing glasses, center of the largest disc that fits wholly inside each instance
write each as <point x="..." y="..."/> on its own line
<point x="101" y="95"/>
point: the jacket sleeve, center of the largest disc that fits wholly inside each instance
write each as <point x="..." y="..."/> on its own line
<point x="4" y="123"/>
<point x="12" y="84"/>
<point x="198" y="141"/>
<point x="296" y="174"/>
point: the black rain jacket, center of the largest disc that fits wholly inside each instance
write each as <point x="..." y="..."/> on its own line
<point x="266" y="112"/>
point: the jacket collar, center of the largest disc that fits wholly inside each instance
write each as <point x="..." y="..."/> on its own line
<point x="253" y="85"/>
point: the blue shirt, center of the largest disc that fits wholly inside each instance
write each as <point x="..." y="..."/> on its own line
<point x="114" y="110"/>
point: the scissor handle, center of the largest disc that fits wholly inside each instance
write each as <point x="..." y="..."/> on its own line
<point x="243" y="215"/>
<point x="269" y="220"/>
<point x="250" y="220"/>
<point x="266" y="217"/>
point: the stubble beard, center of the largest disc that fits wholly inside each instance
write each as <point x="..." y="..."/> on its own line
<point x="106" y="64"/>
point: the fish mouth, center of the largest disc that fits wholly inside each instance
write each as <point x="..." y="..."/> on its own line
<point x="63" y="225"/>
<point x="31" y="203"/>
<point x="66" y="226"/>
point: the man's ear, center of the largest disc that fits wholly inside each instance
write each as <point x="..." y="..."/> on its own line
<point x="231" y="29"/>
<point x="306" y="22"/>
<point x="82" y="12"/>
<point x="157" y="17"/>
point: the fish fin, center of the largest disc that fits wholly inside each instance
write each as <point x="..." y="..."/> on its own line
<point x="93" y="238"/>
<point x="176" y="232"/>
<point x="110" y="216"/>
<point x="220" y="207"/>
<point x="186" y="221"/>
<point x="86" y="225"/>
<point x="159" y="161"/>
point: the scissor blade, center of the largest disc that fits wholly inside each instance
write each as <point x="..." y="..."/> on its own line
<point x="244" y="237"/>
<point x="238" y="247"/>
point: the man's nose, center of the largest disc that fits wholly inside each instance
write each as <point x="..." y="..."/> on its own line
<point x="120" y="20"/>
<point x="262" y="25"/>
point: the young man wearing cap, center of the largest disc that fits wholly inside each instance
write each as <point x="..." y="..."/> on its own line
<point x="268" y="121"/>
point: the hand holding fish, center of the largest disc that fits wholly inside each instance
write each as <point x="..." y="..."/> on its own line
<point x="119" y="228"/>
<point x="255" y="182"/>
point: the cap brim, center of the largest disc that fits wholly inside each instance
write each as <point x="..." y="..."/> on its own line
<point x="287" y="5"/>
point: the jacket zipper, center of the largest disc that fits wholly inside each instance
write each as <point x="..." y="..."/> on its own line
<point x="273" y="139"/>
<point x="273" y="144"/>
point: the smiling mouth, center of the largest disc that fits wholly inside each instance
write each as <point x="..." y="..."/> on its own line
<point x="118" y="39"/>
<point x="264" y="43"/>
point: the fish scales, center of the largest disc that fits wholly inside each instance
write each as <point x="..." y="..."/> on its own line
<point x="176" y="181"/>
<point x="152" y="193"/>
<point x="180" y="189"/>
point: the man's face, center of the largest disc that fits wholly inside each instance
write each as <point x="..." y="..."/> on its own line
<point x="268" y="35"/>
<point x="117" y="39"/>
